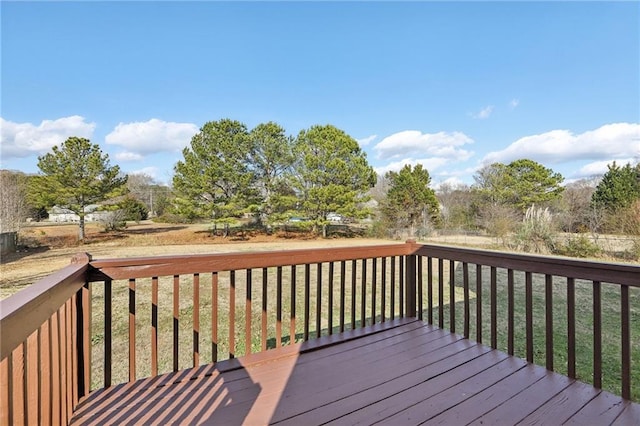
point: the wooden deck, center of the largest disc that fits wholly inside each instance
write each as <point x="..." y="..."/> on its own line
<point x="400" y="372"/>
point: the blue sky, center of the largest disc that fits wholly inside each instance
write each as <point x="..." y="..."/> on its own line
<point x="450" y="85"/>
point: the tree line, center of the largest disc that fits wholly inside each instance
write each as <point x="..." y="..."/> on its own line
<point x="229" y="171"/>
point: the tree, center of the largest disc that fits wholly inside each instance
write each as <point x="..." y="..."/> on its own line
<point x="215" y="179"/>
<point x="76" y="175"/>
<point x="331" y="174"/>
<point x="456" y="203"/>
<point x="520" y="184"/>
<point x="13" y="197"/>
<point x="619" y="187"/>
<point x="271" y="158"/>
<point x="410" y="201"/>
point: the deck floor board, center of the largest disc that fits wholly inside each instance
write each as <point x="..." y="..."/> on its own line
<point x="400" y="372"/>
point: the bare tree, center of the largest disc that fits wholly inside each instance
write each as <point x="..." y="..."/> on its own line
<point x="13" y="198"/>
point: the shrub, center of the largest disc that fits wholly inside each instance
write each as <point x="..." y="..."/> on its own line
<point x="114" y="221"/>
<point x="536" y="233"/>
<point x="580" y="246"/>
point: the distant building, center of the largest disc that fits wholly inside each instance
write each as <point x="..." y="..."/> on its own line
<point x="61" y="214"/>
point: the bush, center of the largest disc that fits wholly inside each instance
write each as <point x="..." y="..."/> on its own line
<point x="580" y="246"/>
<point x="114" y="221"/>
<point x="134" y="209"/>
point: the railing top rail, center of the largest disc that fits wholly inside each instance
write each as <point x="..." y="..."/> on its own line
<point x="143" y="267"/>
<point x="616" y="273"/>
<point x="23" y="312"/>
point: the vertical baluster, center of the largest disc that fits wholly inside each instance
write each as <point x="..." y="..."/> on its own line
<point x="401" y="283"/>
<point x="452" y="296"/>
<point x="330" y="301"/>
<point x="626" y="341"/>
<point x="265" y="280"/>
<point x="307" y="297"/>
<point x="292" y="325"/>
<point x="479" y="303"/>
<point x="45" y="376"/>
<point x="467" y="310"/>
<point x="571" y="328"/>
<point x="393" y="288"/>
<point x="430" y="289"/>
<point x="214" y="316"/>
<point x="232" y="314"/>
<point x="353" y="293"/>
<point x="86" y="338"/>
<point x="56" y="367"/>
<point x="132" y="329"/>
<point x="64" y="357"/>
<point x="528" y="283"/>
<point x="494" y="307"/>
<point x="154" y="326"/>
<point x="363" y="294"/>
<point x="383" y="291"/>
<point x="32" y="382"/>
<point x="73" y="350"/>
<point x="548" y="296"/>
<point x="440" y="293"/>
<point x="5" y="395"/>
<point x="597" y="335"/>
<point x="420" y="289"/>
<point x="343" y="273"/>
<point x="16" y="381"/>
<point x="319" y="299"/>
<point x="196" y="320"/>
<point x="247" y="311"/>
<point x="510" y="313"/>
<point x="176" y="321"/>
<point x="279" y="307"/>
<point x="108" y="330"/>
<point x="374" y="284"/>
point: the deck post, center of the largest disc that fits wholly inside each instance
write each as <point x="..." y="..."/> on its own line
<point x="410" y="282"/>
<point x="83" y="335"/>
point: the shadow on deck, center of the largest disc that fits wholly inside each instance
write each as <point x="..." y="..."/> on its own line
<point x="398" y="372"/>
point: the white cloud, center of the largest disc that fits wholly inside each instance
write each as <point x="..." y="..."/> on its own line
<point x="128" y="156"/>
<point x="150" y="171"/>
<point x="617" y="140"/>
<point x="25" y="139"/>
<point x="599" y="168"/>
<point x="452" y="182"/>
<point x="428" y="163"/>
<point x="513" y="104"/>
<point x="483" y="113"/>
<point x="151" y="136"/>
<point x="366" y="141"/>
<point x="411" y="143"/>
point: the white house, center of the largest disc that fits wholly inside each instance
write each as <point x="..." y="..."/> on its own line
<point x="60" y="214"/>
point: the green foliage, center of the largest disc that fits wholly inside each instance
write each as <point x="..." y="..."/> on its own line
<point x="579" y="246"/>
<point x="619" y="187"/>
<point x="271" y="159"/>
<point x="536" y="233"/>
<point x="134" y="210"/>
<point x="331" y="174"/>
<point x="520" y="184"/>
<point x="77" y="174"/>
<point x="410" y="203"/>
<point x="215" y="179"/>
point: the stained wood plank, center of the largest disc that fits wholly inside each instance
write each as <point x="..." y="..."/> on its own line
<point x="527" y="402"/>
<point x="422" y="374"/>
<point x="601" y="410"/>
<point x="563" y="405"/>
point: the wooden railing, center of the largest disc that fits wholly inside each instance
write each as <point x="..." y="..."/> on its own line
<point x="102" y="322"/>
